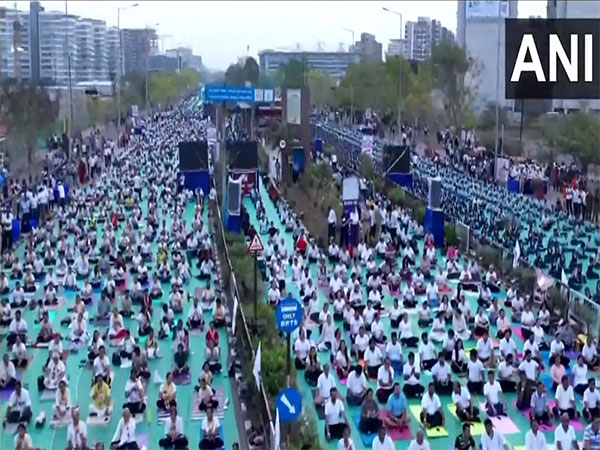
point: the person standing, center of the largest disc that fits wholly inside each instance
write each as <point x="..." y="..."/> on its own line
<point x="7" y="220"/>
<point x="331" y="223"/>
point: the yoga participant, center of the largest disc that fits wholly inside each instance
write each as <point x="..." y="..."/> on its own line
<point x="432" y="414"/>
<point x="475" y="373"/>
<point x="564" y="435"/>
<point x="356" y="386"/>
<point x="591" y="401"/>
<point x="211" y="432"/>
<point x="134" y="394"/>
<point x="465" y="441"/>
<point x="124" y="437"/>
<point x="462" y="402"/>
<point x="346" y="443"/>
<point x="62" y="402"/>
<point x="174" y="436"/>
<point x="23" y="439"/>
<point x="565" y="400"/>
<point x="540" y="409"/>
<point x="8" y="374"/>
<point x="427" y="354"/>
<point x="18" y="406"/>
<point x="492" y="439"/>
<point x="101" y="404"/>
<point x="167" y="396"/>
<point x="507" y="374"/>
<point x="412" y="378"/>
<point x="335" y="418"/>
<point x="54" y="372"/>
<point x="442" y="379"/>
<point x="385" y="380"/>
<point x="458" y="358"/>
<point x="419" y="442"/>
<point x="370" y="423"/>
<point x="495" y="403"/>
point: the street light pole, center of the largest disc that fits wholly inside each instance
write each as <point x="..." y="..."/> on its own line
<point x="497" y="137"/>
<point x="120" y="63"/>
<point x="399" y="14"/>
<point x="148" y="64"/>
<point x="69" y="128"/>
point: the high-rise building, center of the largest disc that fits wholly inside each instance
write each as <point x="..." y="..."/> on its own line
<point x="418" y="38"/>
<point x="137" y="48"/>
<point x="396" y="47"/>
<point x="368" y="48"/>
<point x="15" y="57"/>
<point x="113" y="45"/>
<point x="34" y="37"/>
<point x="569" y="9"/>
<point x="100" y="71"/>
<point x="440" y="33"/>
<point x="332" y="63"/>
<point x="85" y="58"/>
<point x="480" y="32"/>
<point x="58" y="44"/>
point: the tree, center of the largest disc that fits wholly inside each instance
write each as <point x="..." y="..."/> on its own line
<point x="29" y="113"/>
<point x="576" y="134"/>
<point x="292" y="74"/>
<point x="321" y="87"/>
<point x="366" y="85"/>
<point x="238" y="74"/>
<point x="487" y="118"/>
<point x="251" y="71"/>
<point x="450" y="67"/>
<point x="418" y="104"/>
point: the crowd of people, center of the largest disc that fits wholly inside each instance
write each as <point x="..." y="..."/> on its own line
<point x="117" y="244"/>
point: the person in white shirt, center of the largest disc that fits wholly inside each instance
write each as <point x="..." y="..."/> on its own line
<point x="134" y="394"/>
<point x="495" y="404"/>
<point x="211" y="432"/>
<point x="331" y="222"/>
<point x="564" y="435"/>
<point x="393" y="350"/>
<point x="565" y="399"/>
<point x="535" y="439"/>
<point x="441" y="376"/>
<point x="426" y="353"/>
<point x="335" y="418"/>
<point x="62" y="402"/>
<point x="8" y="373"/>
<point x="579" y="374"/>
<point x="419" y="442"/>
<point x="54" y="372"/>
<point x="325" y="383"/>
<point x="385" y="381"/>
<point x="475" y="373"/>
<point x="301" y="349"/>
<point x="19" y="405"/>
<point x="485" y="350"/>
<point x="412" y="378"/>
<point x="346" y="443"/>
<point x="77" y="432"/>
<point x="529" y="366"/>
<point x="492" y="439"/>
<point x="174" y="437"/>
<point x="591" y="401"/>
<point x="382" y="441"/>
<point x="356" y="386"/>
<point x="124" y="437"/>
<point x="463" y="404"/>
<point x="432" y="414"/>
<point x="373" y="359"/>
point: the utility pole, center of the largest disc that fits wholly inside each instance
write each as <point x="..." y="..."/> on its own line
<point x="497" y="137"/>
<point x="70" y="82"/>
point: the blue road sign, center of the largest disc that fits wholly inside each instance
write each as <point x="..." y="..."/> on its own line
<point x="289" y="404"/>
<point x="288" y="314"/>
<point x="212" y="93"/>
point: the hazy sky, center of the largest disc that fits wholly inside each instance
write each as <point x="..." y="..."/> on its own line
<point x="221" y="31"/>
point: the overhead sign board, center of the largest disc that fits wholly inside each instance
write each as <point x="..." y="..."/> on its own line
<point x="288" y="315"/>
<point x="486" y="9"/>
<point x="212" y="93"/>
<point x="289" y="404"/>
<point x="264" y="95"/>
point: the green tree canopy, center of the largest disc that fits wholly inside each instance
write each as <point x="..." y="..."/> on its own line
<point x="292" y="74"/>
<point x="321" y="87"/>
<point x="238" y="74"/>
<point x="29" y="113"/>
<point x="577" y="134"/>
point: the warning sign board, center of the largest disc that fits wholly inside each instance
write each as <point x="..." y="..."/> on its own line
<point x="255" y="245"/>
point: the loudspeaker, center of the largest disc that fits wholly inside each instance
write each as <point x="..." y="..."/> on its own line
<point x="242" y="154"/>
<point x="396" y="158"/>
<point x="434" y="199"/>
<point x="193" y="155"/>
<point x="234" y="196"/>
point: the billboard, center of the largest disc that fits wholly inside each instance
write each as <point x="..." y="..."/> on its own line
<point x="486" y="9"/>
<point x="212" y="93"/>
<point x="294" y="107"/>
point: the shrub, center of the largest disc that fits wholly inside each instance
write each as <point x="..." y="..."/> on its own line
<point x="489" y="256"/>
<point x="273" y="368"/>
<point x="526" y="278"/>
<point x="419" y="215"/>
<point x="450" y="236"/>
<point x="305" y="433"/>
<point x="396" y="196"/>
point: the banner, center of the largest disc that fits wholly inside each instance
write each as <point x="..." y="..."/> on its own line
<point x="367" y="144"/>
<point x="502" y="169"/>
<point x="487" y="9"/>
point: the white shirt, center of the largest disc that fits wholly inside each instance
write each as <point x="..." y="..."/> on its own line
<point x="564" y="397"/>
<point x="387" y="443"/>
<point x="7" y="372"/>
<point x="591" y="399"/>
<point x="565" y="438"/>
<point x="334" y="412"/>
<point x="426" y="351"/>
<point x="430" y="404"/>
<point x="21" y="402"/>
<point x="580" y="375"/>
<point x="492" y="392"/>
<point x="507" y="347"/>
<point x="325" y="384"/>
<point x="178" y="425"/>
<point x="394" y="351"/>
<point x="530" y="368"/>
<point x="475" y="370"/>
<point x="210" y="427"/>
<point x="463" y="399"/>
<point x="356" y="384"/>
<point x="373" y="357"/>
<point x="496" y="442"/>
<point x="414" y="445"/>
<point x="484" y="349"/>
<point x="77" y="435"/>
<point x="302" y="348"/>
<point x="407" y="370"/>
<point x="385" y="379"/>
<point x="125" y="432"/>
<point x="439" y="372"/>
<point x="535" y="441"/>
<point x="342" y="446"/>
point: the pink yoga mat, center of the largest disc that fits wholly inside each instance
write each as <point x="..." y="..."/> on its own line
<point x="502" y="423"/>
<point x="517" y="332"/>
<point x="576" y="424"/>
<point x="525" y="412"/>
<point x="394" y="433"/>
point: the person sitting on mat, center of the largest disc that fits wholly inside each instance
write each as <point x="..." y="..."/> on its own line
<point x="424" y="319"/>
<point x="492" y="439"/>
<point x="506" y="375"/>
<point x="206" y="395"/>
<point x="174" y="437"/>
<point x="17" y="327"/>
<point x="557" y="371"/>
<point x="407" y="338"/>
<point x="432" y="414"/>
<point x="465" y="441"/>
<point x="495" y="403"/>
<point x="62" y="402"/>
<point x="482" y="323"/>
<point x="485" y="350"/>
<point x="313" y="367"/>
<point x="393" y="351"/>
<point x="590" y="354"/>
<point x="591" y="401"/>
<point x="529" y="366"/>
<point x="101" y="404"/>
<point x="124" y="437"/>
<point x="134" y="394"/>
<point x="211" y="432"/>
<point x="54" y="372"/>
<point x="18" y="405"/>
<point x="527" y="321"/>
<point x="459" y="325"/>
<point x="343" y="360"/>
<point x="373" y="359"/>
<point x="441" y="376"/>
<point x="195" y="316"/>
<point x="397" y="411"/>
<point x="19" y="354"/>
<point x="301" y="350"/>
<point x="8" y="374"/>
<point x="116" y="331"/>
<point x="167" y="396"/>
<point x="369" y="415"/>
<point x="325" y="384"/>
<point x="507" y="346"/>
<point x="213" y="357"/>
<point x="412" y="378"/>
<point x="565" y="399"/>
<point x="385" y="380"/>
<point x="180" y="358"/>
<point x="335" y="418"/>
<point x="540" y="409"/>
<point x="564" y="435"/>
<point x="356" y="386"/>
<point x="426" y="353"/>
<point x="463" y="404"/>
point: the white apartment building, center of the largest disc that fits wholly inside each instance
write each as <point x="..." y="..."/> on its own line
<point x="15" y="58"/>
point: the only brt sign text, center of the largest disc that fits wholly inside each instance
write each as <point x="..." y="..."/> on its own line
<point x="288" y="314"/>
<point x="552" y="58"/>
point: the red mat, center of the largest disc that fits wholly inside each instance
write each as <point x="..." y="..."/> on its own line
<point x="395" y="433"/>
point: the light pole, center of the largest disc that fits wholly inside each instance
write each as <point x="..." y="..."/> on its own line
<point x="148" y="62"/>
<point x="497" y="137"/>
<point x="120" y="62"/>
<point x="70" y="82"/>
<point x="399" y="14"/>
